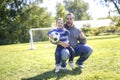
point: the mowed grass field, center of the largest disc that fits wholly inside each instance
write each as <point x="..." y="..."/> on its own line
<point x="17" y="62"/>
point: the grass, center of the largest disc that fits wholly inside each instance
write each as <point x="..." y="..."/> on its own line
<point x="17" y="62"/>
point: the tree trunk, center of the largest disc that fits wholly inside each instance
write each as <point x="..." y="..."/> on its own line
<point x="116" y="6"/>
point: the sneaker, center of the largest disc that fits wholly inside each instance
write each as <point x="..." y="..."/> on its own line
<point x="81" y="66"/>
<point x="64" y="68"/>
<point x="71" y="65"/>
<point x="57" y="69"/>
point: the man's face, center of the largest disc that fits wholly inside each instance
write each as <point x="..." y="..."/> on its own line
<point x="69" y="20"/>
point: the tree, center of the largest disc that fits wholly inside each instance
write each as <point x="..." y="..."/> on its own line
<point x="60" y="11"/>
<point x="115" y="2"/>
<point x="18" y="16"/>
<point x="78" y="8"/>
<point x="38" y="17"/>
<point x="9" y="9"/>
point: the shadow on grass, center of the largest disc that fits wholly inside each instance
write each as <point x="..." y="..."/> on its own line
<point x="51" y="74"/>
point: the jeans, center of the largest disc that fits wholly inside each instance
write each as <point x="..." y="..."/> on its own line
<point x="83" y="51"/>
<point x="58" y="55"/>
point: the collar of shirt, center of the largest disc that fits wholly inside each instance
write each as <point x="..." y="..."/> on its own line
<point x="69" y="28"/>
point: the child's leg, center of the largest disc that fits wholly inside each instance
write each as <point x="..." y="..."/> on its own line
<point x="71" y="50"/>
<point x="58" y="58"/>
<point x="58" y="55"/>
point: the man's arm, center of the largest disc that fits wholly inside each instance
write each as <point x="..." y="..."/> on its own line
<point x="63" y="44"/>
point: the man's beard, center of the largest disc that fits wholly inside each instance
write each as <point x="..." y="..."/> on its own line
<point x="69" y="24"/>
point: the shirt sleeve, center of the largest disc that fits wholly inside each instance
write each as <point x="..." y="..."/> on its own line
<point x="49" y="32"/>
<point x="79" y="31"/>
<point x="67" y="32"/>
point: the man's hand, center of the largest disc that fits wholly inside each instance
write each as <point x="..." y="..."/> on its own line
<point x="64" y="29"/>
<point x="82" y="39"/>
<point x="63" y="44"/>
<point x="82" y="35"/>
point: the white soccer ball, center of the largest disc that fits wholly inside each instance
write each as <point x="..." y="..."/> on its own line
<point x="55" y="37"/>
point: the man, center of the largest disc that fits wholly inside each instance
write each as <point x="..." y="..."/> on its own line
<point x="77" y="41"/>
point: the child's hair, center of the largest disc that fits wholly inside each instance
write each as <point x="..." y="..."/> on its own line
<point x="59" y="19"/>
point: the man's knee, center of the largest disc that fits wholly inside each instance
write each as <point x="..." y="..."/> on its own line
<point x="65" y="54"/>
<point x="89" y="50"/>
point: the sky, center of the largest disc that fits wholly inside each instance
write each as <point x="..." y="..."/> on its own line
<point x="95" y="10"/>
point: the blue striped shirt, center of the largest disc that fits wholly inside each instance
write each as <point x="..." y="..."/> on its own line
<point x="63" y="34"/>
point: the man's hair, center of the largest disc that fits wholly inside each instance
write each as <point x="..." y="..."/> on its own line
<point x="71" y="15"/>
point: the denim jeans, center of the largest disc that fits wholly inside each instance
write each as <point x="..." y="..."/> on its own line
<point x="83" y="51"/>
<point x="58" y="55"/>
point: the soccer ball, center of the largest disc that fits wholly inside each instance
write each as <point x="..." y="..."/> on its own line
<point x="65" y="54"/>
<point x="55" y="37"/>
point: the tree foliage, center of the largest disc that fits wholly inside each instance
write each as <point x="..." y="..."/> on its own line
<point x="116" y="3"/>
<point x="60" y="11"/>
<point x="18" y="16"/>
<point x="78" y="8"/>
<point x="38" y="17"/>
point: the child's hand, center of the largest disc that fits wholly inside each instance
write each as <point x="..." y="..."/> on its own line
<point x="51" y="36"/>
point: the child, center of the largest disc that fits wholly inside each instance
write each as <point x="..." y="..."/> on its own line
<point x="64" y="38"/>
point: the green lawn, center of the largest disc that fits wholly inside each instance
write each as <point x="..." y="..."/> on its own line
<point x="17" y="62"/>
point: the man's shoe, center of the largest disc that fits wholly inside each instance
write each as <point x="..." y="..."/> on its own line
<point x="71" y="65"/>
<point x="81" y="66"/>
<point x="57" y="69"/>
